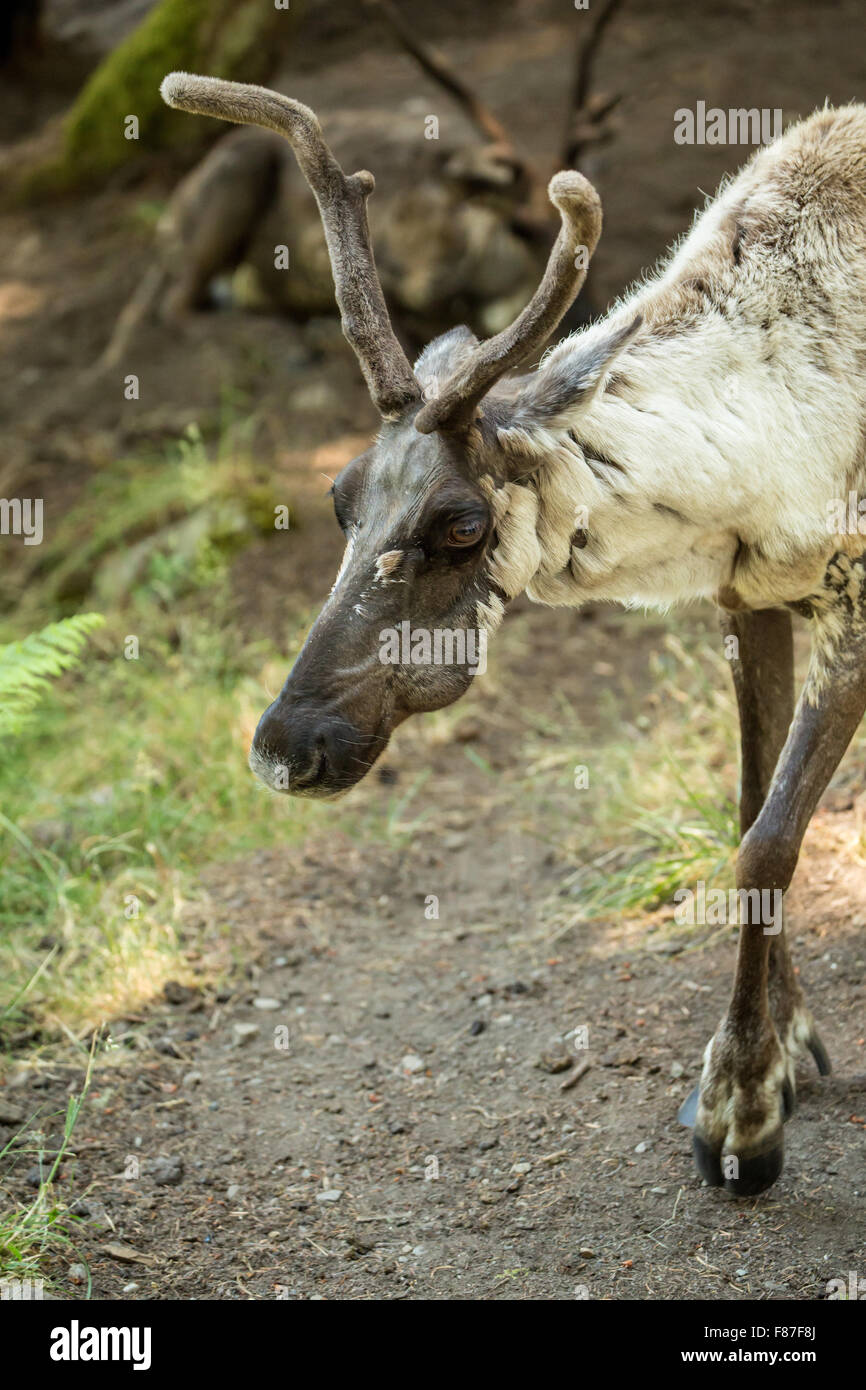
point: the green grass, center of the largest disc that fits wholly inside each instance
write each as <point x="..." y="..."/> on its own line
<point x="129" y="775"/>
<point x="127" y="782"/>
<point x="130" y="780"/>
<point x="660" y="810"/>
<point x="30" y="1233"/>
<point x="694" y="839"/>
<point x="157" y="526"/>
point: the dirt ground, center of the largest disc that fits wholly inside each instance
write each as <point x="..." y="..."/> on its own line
<point x="387" y="1104"/>
<point x="395" y="1125"/>
<point x="383" y="1104"/>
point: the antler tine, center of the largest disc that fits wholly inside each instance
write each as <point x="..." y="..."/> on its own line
<point x="342" y="202"/>
<point x="580" y="209"/>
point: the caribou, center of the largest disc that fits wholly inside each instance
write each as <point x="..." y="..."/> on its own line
<point x="689" y="445"/>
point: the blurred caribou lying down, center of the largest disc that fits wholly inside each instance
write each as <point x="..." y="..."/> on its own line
<point x="691" y="444"/>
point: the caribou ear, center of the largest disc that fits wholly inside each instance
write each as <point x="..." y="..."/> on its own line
<point x="568" y="378"/>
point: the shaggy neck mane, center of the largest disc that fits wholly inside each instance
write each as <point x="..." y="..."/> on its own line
<point x="674" y="480"/>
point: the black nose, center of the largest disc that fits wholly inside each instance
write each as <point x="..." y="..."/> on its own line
<point x="306" y="750"/>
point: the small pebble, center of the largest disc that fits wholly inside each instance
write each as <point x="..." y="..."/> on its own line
<point x="554" y="1062"/>
<point x="167" y="1172"/>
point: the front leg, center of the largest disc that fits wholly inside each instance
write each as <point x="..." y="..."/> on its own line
<point x="760" y="646"/>
<point x="746" y="1089"/>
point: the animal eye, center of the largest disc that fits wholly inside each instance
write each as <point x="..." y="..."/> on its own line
<point x="465" y="532"/>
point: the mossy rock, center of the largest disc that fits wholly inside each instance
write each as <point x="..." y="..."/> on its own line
<point x="238" y="39"/>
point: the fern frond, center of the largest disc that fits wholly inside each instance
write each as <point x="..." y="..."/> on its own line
<point x="28" y="667"/>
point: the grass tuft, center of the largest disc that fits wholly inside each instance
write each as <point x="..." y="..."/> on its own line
<point x="30" y="1234"/>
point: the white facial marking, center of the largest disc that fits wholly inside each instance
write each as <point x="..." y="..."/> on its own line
<point x="386" y="565"/>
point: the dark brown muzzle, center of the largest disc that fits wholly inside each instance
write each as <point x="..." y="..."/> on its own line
<point x="306" y="749"/>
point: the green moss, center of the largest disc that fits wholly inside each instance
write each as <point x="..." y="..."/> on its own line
<point x="224" y="38"/>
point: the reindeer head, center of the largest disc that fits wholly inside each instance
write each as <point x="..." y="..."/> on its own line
<point x="438" y="536"/>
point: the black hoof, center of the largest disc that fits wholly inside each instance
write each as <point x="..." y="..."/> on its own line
<point x="819" y="1052"/>
<point x="741" y="1176"/>
<point x="756" y="1173"/>
<point x="707" y="1160"/>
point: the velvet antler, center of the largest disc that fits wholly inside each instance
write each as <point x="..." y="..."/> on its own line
<point x="580" y="209"/>
<point x="342" y="201"/>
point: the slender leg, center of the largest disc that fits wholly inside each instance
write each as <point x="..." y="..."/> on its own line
<point x="746" y="1089"/>
<point x="762" y="663"/>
